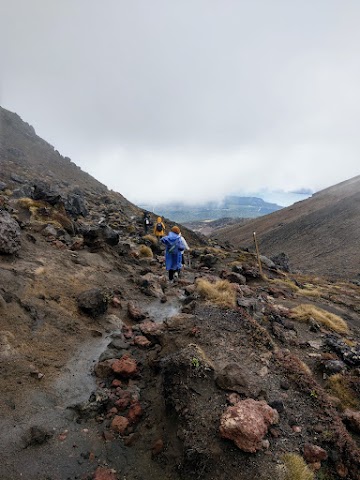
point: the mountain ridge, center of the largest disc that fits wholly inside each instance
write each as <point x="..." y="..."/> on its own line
<point x="319" y="234"/>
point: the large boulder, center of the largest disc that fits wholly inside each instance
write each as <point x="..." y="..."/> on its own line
<point x="281" y="261"/>
<point x="95" y="237"/>
<point x="247" y="422"/>
<point x="9" y="234"/>
<point x="75" y="205"/>
<point x="43" y="191"/>
<point x="93" y="302"/>
<point x="233" y="377"/>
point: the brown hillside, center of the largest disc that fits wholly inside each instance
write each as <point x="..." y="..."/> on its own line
<point x="320" y="234"/>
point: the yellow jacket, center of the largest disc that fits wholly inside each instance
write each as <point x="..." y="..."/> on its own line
<point x="159" y="233"/>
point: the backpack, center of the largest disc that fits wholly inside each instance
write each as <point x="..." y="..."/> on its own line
<point x="159" y="227"/>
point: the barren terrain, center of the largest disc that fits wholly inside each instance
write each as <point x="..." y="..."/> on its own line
<point x="111" y="372"/>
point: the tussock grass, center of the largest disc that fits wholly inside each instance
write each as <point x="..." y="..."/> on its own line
<point x="53" y="216"/>
<point x="217" y="252"/>
<point x="150" y="238"/>
<point x="305" y="312"/>
<point x="284" y="283"/>
<point x="310" y="290"/>
<point x="339" y="387"/>
<point x="220" y="292"/>
<point x="145" y="252"/>
<point x="30" y="204"/>
<point x="296" y="468"/>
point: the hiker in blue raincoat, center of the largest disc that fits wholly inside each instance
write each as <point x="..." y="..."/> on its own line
<point x="173" y="254"/>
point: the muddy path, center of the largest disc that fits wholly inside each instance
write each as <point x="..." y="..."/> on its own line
<point x="43" y="435"/>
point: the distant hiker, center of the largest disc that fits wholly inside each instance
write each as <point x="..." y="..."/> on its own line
<point x="173" y="254"/>
<point x="146" y="222"/>
<point x="159" y="228"/>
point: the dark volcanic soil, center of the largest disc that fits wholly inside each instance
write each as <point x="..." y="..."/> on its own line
<point x="56" y="413"/>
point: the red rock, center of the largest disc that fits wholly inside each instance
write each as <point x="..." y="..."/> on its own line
<point x="124" y="400"/>
<point x="116" y="383"/>
<point x="126" y="366"/>
<point x="113" y="410"/>
<point x="314" y="453"/>
<point x="135" y="313"/>
<point x="135" y="413"/>
<point x="247" y="422"/>
<point x="141" y="341"/>
<point x="296" y="428"/>
<point x="151" y="328"/>
<point x="119" y="424"/>
<point x="116" y="302"/>
<point x="91" y="457"/>
<point x="102" y="473"/>
<point x="157" y="447"/>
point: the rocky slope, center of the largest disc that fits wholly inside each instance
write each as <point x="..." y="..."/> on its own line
<point x="320" y="234"/>
<point x="108" y="371"/>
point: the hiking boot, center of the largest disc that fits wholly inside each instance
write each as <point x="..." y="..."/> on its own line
<point x="176" y="276"/>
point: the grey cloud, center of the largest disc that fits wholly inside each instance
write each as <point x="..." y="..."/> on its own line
<point x="249" y="94"/>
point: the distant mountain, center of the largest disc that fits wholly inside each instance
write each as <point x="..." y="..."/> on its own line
<point x="231" y="207"/>
<point x="320" y="234"/>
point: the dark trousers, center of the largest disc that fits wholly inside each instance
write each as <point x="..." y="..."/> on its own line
<point x="171" y="274"/>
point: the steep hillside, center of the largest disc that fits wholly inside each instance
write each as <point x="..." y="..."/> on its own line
<point x="27" y="160"/>
<point x="320" y="234"/>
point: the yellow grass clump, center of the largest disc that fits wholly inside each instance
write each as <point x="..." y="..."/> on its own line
<point x="296" y="468"/>
<point x="220" y="292"/>
<point x="53" y="216"/>
<point x="29" y="203"/>
<point x="145" y="251"/>
<point x="305" y="312"/>
<point x="339" y="387"/>
<point x="151" y="239"/>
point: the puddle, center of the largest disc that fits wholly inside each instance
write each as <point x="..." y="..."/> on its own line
<point x="76" y="381"/>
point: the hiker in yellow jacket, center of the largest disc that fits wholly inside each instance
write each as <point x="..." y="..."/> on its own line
<point x="159" y="228"/>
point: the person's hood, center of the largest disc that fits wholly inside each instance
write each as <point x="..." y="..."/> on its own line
<point x="173" y="236"/>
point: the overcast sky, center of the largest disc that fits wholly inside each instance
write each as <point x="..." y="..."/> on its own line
<point x="189" y="99"/>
